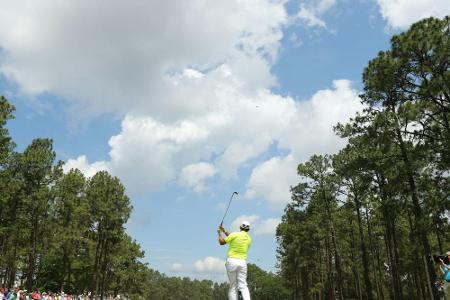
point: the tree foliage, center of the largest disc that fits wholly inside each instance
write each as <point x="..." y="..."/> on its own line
<point x="63" y="232"/>
<point x="364" y="223"/>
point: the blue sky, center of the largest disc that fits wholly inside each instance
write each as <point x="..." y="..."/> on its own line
<point x="189" y="101"/>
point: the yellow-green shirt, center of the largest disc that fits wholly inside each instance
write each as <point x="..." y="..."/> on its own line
<point x="239" y="243"/>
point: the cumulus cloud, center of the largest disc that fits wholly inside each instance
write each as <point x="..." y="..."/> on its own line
<point x="148" y="153"/>
<point x="239" y="152"/>
<point x="177" y="267"/>
<point x="238" y="221"/>
<point x="126" y="56"/>
<point x="267" y="227"/>
<point x="402" y="13"/>
<point x="310" y="132"/>
<point x="211" y="265"/>
<point x="144" y="153"/>
<point x="82" y="164"/>
<point x="194" y="175"/>
<point x="281" y="172"/>
<point x="257" y="225"/>
<point x="191" y="110"/>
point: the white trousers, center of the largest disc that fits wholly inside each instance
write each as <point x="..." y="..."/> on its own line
<point x="237" y="275"/>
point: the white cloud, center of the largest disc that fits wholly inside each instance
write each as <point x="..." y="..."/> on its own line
<point x="147" y="153"/>
<point x="238" y="221"/>
<point x="310" y="132"/>
<point x="267" y="227"/>
<point x="257" y="225"/>
<point x="211" y="265"/>
<point x="144" y="154"/>
<point x="177" y="267"/>
<point x="311" y="12"/>
<point x="238" y="127"/>
<point x="239" y="152"/>
<point x="281" y="172"/>
<point x="124" y="56"/>
<point x="194" y="92"/>
<point x="309" y="17"/>
<point x="194" y="175"/>
<point x="82" y="164"/>
<point x="402" y="13"/>
<point x="295" y="40"/>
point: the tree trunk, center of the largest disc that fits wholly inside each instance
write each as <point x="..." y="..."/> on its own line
<point x="103" y="268"/>
<point x="32" y="254"/>
<point x="438" y="237"/>
<point x="329" y="283"/>
<point x="417" y="210"/>
<point x="94" y="288"/>
<point x="337" y="256"/>
<point x="64" y="270"/>
<point x="422" y="287"/>
<point x="367" y="282"/>
<point x="392" y="252"/>
<point x="354" y="263"/>
<point x="389" y="222"/>
<point x="376" y="254"/>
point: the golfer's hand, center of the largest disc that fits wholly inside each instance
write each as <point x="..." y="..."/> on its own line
<point x="221" y="228"/>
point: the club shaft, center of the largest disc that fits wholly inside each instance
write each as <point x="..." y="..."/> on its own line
<point x="226" y="211"/>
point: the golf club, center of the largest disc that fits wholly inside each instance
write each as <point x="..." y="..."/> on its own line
<point x="231" y="198"/>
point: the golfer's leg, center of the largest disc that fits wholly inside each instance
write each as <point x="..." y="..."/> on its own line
<point x="232" y="279"/>
<point x="242" y="281"/>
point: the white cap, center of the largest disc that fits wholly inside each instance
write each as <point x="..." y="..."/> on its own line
<point x="245" y="225"/>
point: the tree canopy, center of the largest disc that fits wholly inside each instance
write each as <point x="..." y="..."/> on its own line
<point x="365" y="222"/>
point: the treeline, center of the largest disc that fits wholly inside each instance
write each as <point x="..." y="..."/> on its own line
<point x="65" y="232"/>
<point x="364" y="223"/>
<point x="62" y="232"/>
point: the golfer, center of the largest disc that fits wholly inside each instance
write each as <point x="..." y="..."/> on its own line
<point x="236" y="264"/>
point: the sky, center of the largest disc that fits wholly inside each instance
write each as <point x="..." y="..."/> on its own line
<point x="188" y="101"/>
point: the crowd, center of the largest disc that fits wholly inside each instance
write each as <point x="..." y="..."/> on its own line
<point x="18" y="294"/>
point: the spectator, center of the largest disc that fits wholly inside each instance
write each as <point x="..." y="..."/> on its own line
<point x="444" y="272"/>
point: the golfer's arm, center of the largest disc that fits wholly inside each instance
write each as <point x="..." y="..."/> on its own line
<point x="221" y="240"/>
